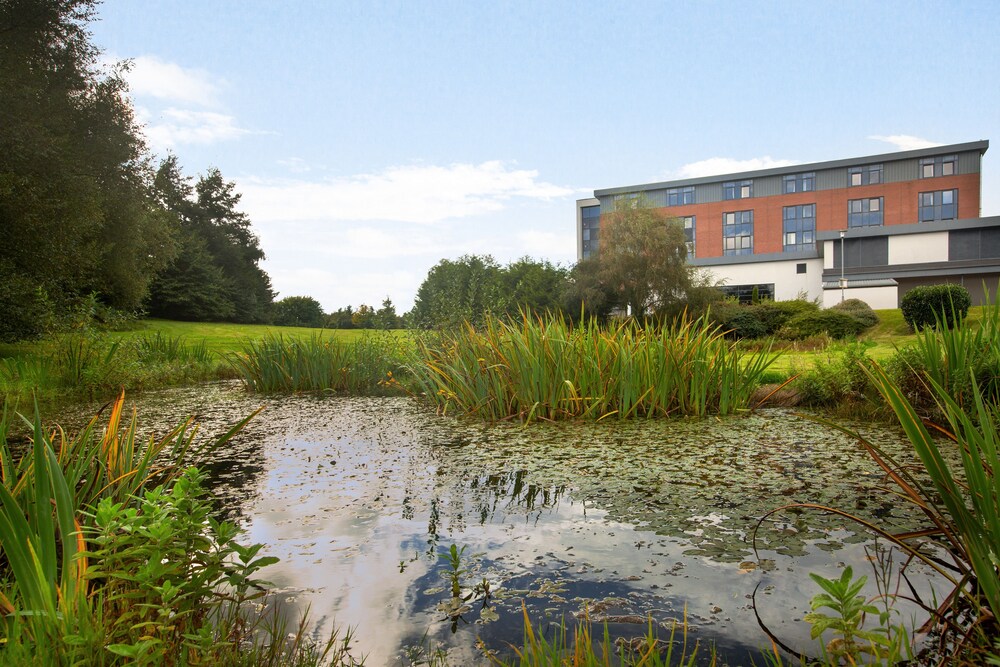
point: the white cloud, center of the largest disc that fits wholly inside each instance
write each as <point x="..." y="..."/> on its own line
<point x="716" y="166"/>
<point x="904" y="142"/>
<point x="336" y="289"/>
<point x="151" y="77"/>
<point x="181" y="126"/>
<point x="415" y="193"/>
<point x="296" y="165"/>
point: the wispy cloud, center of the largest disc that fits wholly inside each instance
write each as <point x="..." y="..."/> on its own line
<point x="151" y="77"/>
<point x="173" y="127"/>
<point x="179" y="105"/>
<point x="414" y="193"/>
<point x="716" y="166"/>
<point x="904" y="142"/>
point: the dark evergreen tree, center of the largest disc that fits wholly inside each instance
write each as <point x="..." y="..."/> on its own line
<point x="76" y="212"/>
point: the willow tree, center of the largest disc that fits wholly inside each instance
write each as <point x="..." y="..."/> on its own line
<point x="642" y="258"/>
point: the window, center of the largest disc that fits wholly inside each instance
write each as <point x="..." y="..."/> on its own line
<point x="864" y="212"/>
<point x="867" y="175"/>
<point x="939" y="205"/>
<point x="689" y="232"/>
<point x="800" y="268"/>
<point x="946" y="165"/>
<point x="737" y="233"/>
<point x="680" y="196"/>
<point x="799" y="227"/>
<point x="591" y="222"/>
<point x="799" y="183"/>
<point x="747" y="293"/>
<point x="737" y="190"/>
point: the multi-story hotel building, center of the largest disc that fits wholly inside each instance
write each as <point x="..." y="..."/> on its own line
<point x="869" y="227"/>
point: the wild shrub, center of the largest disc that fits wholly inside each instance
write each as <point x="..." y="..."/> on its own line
<point x="926" y="305"/>
<point x="836" y="324"/>
<point x="775" y="314"/>
<point x="955" y="358"/>
<point x="859" y="310"/>
<point x="839" y="378"/>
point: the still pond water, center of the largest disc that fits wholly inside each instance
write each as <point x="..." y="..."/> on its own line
<point x="359" y="496"/>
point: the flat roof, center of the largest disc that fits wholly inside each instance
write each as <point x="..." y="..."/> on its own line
<point x="980" y="146"/>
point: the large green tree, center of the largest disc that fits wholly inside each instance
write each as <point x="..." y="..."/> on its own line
<point x="77" y="214"/>
<point x="299" y="311"/>
<point x="642" y="261"/>
<point x="216" y="275"/>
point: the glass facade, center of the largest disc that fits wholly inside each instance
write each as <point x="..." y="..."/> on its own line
<point x="864" y="212"/>
<point x="737" y="190"/>
<point x="946" y="165"/>
<point x="689" y="233"/>
<point x="591" y="217"/>
<point x="746" y="293"/>
<point x="799" y="227"/>
<point x="680" y="196"/>
<point x="799" y="183"/>
<point x="737" y="233"/>
<point x="938" y="205"/>
<point x="867" y="175"/>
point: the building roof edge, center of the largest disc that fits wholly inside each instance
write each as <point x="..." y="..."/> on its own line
<point x="982" y="146"/>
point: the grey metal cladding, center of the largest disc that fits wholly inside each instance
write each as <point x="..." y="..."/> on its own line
<point x="767" y="186"/>
<point x="901" y="170"/>
<point x="709" y="192"/>
<point x="969" y="162"/>
<point x="656" y="198"/>
<point x="831" y="179"/>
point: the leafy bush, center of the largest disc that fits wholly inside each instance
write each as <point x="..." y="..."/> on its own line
<point x="775" y="314"/>
<point x="837" y="324"/>
<point x="859" y="310"/>
<point x="839" y="378"/>
<point x="923" y="306"/>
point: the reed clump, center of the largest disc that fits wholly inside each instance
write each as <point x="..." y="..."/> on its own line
<point x="545" y="368"/>
<point x="369" y="365"/>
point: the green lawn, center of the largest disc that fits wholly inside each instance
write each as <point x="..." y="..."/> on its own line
<point x="225" y="337"/>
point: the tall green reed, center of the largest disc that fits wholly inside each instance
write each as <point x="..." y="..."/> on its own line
<point x="544" y="368"/>
<point x="275" y="363"/>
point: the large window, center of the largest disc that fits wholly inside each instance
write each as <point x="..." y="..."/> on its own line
<point x="591" y="218"/>
<point x="737" y="233"/>
<point x="799" y="183"/>
<point x="799" y="227"/>
<point x="737" y="190"/>
<point x="747" y="293"/>
<point x="864" y="212"/>
<point x="680" y="196"/>
<point x="869" y="174"/>
<point x="945" y="165"/>
<point x="689" y="233"/>
<point x="939" y="205"/>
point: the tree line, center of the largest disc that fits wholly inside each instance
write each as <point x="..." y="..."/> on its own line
<point x="89" y="223"/>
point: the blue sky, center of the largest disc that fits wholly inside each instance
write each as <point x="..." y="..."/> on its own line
<point x="372" y="139"/>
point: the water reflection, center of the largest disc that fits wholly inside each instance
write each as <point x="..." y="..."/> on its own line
<point x="359" y="497"/>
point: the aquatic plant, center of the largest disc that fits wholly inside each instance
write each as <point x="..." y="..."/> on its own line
<point x="275" y="363"/>
<point x="580" y="650"/>
<point x="544" y="368"/>
<point x="842" y="597"/>
<point x="142" y="575"/>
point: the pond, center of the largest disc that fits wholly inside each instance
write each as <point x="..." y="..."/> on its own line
<point x="624" y="521"/>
